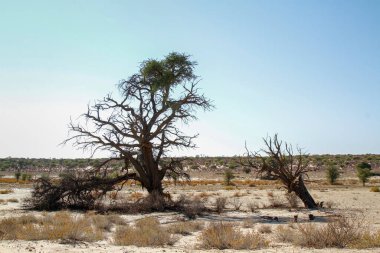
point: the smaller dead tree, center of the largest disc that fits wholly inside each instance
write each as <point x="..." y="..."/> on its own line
<point x="74" y="190"/>
<point x="279" y="160"/>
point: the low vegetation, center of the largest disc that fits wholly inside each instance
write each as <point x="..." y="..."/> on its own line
<point x="363" y="171"/>
<point x="332" y="174"/>
<point x="343" y="232"/>
<point x="58" y="226"/>
<point x="185" y="227"/>
<point x="226" y="236"/>
<point x="6" y="191"/>
<point x="147" y="232"/>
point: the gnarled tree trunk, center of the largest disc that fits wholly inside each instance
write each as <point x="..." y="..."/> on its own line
<point x="301" y="191"/>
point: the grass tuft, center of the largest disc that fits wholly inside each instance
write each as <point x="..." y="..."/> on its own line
<point x="225" y="236"/>
<point x="147" y="233"/>
<point x="185" y="228"/>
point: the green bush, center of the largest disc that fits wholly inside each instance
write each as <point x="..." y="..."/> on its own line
<point x="332" y="174"/>
<point x="363" y="171"/>
<point x="228" y="176"/>
<point x="17" y="175"/>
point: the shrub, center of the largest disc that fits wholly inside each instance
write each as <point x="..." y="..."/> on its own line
<point x="134" y="196"/>
<point x="190" y="207"/>
<point x="236" y="203"/>
<point x="228" y="176"/>
<point x="367" y="240"/>
<point x="25" y="176"/>
<point x="185" y="228"/>
<point x="247" y="170"/>
<point x="60" y="225"/>
<point x="292" y="199"/>
<point x="329" y="204"/>
<point x="265" y="229"/>
<point x="375" y="189"/>
<point x="339" y="233"/>
<point x="332" y="174"/>
<point x="147" y="233"/>
<point x="285" y="234"/>
<point x="252" y="206"/>
<point x="17" y="175"/>
<point x="100" y="222"/>
<point x="275" y="201"/>
<point x="248" y="223"/>
<point x="363" y="171"/>
<point x="220" y="204"/>
<point x="225" y="236"/>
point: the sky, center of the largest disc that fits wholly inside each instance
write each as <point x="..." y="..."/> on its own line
<point x="307" y="70"/>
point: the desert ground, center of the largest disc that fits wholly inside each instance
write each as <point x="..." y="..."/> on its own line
<point x="256" y="206"/>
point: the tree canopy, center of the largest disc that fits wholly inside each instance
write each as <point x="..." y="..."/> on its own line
<point x="141" y="125"/>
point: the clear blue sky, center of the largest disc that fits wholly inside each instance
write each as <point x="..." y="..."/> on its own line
<point x="307" y="70"/>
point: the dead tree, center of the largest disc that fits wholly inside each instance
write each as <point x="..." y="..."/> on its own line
<point x="142" y="124"/>
<point x="279" y="160"/>
<point x="72" y="190"/>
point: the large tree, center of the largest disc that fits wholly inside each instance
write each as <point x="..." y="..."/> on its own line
<point x="142" y="124"/>
<point x="280" y="161"/>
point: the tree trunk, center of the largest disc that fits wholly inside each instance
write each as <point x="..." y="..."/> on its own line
<point x="301" y="191"/>
<point x="155" y="186"/>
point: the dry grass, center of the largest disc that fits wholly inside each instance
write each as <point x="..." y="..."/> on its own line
<point x="105" y="222"/>
<point x="329" y="204"/>
<point x="13" y="200"/>
<point x="61" y="225"/>
<point x="344" y="232"/>
<point x="203" y="195"/>
<point x="6" y="191"/>
<point x="285" y="233"/>
<point x="248" y="223"/>
<point x="237" y="194"/>
<point x="7" y="180"/>
<point x="375" y="189"/>
<point x="134" y="196"/>
<point x="252" y="206"/>
<point x="236" y="203"/>
<point x="225" y="236"/>
<point x="338" y="233"/>
<point x="6" y="201"/>
<point x="292" y="199"/>
<point x="113" y="195"/>
<point x="265" y="229"/>
<point x="246" y="182"/>
<point x="185" y="228"/>
<point x="147" y="233"/>
<point x="275" y="201"/>
<point x="367" y="240"/>
<point x="220" y="204"/>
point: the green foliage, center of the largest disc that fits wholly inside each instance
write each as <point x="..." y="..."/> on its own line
<point x="228" y="176"/>
<point x="160" y="74"/>
<point x="46" y="176"/>
<point x="363" y="171"/>
<point x="332" y="174"/>
<point x="26" y="176"/>
<point x="17" y="175"/>
<point x="364" y="165"/>
<point x="233" y="165"/>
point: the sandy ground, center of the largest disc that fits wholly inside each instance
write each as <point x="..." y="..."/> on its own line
<point x="343" y="199"/>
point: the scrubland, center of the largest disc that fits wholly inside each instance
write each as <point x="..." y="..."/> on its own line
<point x="247" y="215"/>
